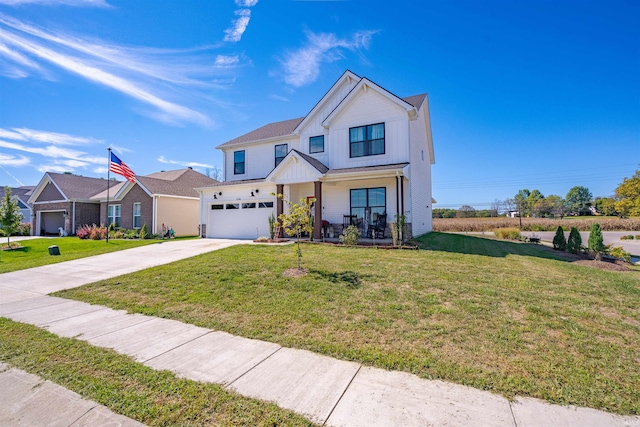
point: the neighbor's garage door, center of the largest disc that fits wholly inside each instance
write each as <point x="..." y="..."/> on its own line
<point x="239" y="220"/>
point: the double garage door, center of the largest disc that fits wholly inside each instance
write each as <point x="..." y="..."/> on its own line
<point x="239" y="219"/>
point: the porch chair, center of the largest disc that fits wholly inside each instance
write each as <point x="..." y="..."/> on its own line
<point x="378" y="227"/>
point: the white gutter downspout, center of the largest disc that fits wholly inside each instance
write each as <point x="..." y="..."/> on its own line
<point x="73" y="219"/>
<point x="155" y="214"/>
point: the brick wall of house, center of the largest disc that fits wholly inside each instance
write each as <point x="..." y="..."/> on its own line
<point x="87" y="214"/>
<point x="137" y="195"/>
<point x="60" y="206"/>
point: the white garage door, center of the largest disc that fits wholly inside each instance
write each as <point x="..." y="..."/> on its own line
<point x="239" y="220"/>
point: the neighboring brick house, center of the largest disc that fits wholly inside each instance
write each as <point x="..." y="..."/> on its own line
<point x="163" y="198"/>
<point x="65" y="200"/>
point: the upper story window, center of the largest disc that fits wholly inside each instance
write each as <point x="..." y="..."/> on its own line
<point x="281" y="152"/>
<point x="366" y="140"/>
<point x="316" y="144"/>
<point x="238" y="162"/>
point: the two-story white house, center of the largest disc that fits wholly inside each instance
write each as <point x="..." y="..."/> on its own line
<point x="362" y="153"/>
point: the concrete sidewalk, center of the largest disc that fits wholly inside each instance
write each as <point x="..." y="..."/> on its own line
<point x="30" y="401"/>
<point x="324" y="389"/>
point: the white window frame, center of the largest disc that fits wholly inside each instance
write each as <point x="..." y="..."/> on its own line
<point x="139" y="216"/>
<point x="112" y="218"/>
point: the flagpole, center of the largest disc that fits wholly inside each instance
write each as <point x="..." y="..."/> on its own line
<point x="108" y="187"/>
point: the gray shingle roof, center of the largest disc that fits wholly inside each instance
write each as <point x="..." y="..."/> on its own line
<point x="272" y="130"/>
<point x="181" y="182"/>
<point x="415" y="100"/>
<point x="313" y="162"/>
<point x="79" y="187"/>
<point x="286" y="127"/>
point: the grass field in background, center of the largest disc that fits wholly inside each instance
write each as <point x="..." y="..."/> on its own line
<point x="535" y="224"/>
<point x="499" y="316"/>
<point x="155" y="398"/>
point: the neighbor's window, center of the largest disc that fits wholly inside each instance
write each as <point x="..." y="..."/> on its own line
<point x="113" y="215"/>
<point x="366" y="140"/>
<point x="281" y="152"/>
<point x="136" y="215"/>
<point x="316" y="144"/>
<point x="374" y="198"/>
<point x="238" y="162"/>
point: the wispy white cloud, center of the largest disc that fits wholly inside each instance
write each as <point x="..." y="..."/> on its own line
<point x="53" y="152"/>
<point x="278" y="98"/>
<point x="11" y="160"/>
<point x="23" y="134"/>
<point x="246" y="3"/>
<point x="174" y="85"/>
<point x="238" y="26"/>
<point x="162" y="159"/>
<point x="226" y="61"/>
<point x="52" y="146"/>
<point x="302" y="66"/>
<point x="74" y="3"/>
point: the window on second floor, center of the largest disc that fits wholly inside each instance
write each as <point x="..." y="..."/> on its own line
<point x="366" y="140"/>
<point x="136" y="215"/>
<point x="281" y="152"/>
<point x="316" y="144"/>
<point x="238" y="162"/>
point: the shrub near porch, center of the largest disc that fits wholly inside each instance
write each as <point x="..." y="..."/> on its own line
<point x="494" y="315"/>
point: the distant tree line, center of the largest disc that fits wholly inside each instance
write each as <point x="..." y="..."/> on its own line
<point x="578" y="202"/>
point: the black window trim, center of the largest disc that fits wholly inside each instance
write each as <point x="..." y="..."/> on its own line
<point x="275" y="152"/>
<point x="319" y="151"/>
<point x="367" y="202"/>
<point x="236" y="163"/>
<point x="368" y="142"/>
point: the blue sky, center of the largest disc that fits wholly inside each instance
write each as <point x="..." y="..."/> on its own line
<point x="524" y="94"/>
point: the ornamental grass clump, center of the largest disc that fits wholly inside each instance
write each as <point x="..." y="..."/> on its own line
<point x="574" y="244"/>
<point x="507" y="233"/>
<point x="559" y="241"/>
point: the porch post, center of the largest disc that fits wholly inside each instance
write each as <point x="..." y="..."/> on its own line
<point x="279" y="205"/>
<point x="317" y="225"/>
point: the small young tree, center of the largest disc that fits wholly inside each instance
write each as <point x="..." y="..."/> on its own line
<point x="575" y="241"/>
<point x="559" y="241"/>
<point x="10" y="216"/>
<point x="596" y="241"/>
<point x="297" y="220"/>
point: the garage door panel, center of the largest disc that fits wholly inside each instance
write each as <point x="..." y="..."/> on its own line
<point x="239" y="220"/>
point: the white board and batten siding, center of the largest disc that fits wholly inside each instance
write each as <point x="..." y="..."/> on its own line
<point x="369" y="108"/>
<point x="420" y="177"/>
<point x="259" y="159"/>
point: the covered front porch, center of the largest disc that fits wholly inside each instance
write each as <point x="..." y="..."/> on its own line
<point x="369" y="198"/>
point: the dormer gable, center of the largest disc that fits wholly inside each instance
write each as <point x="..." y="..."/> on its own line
<point x="365" y="85"/>
<point x="347" y="80"/>
<point x="297" y="167"/>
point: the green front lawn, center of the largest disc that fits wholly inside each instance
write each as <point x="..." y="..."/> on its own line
<point x="35" y="252"/>
<point x="499" y="316"/>
<point x="128" y="388"/>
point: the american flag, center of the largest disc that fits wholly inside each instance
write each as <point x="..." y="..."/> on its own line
<point x="117" y="166"/>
